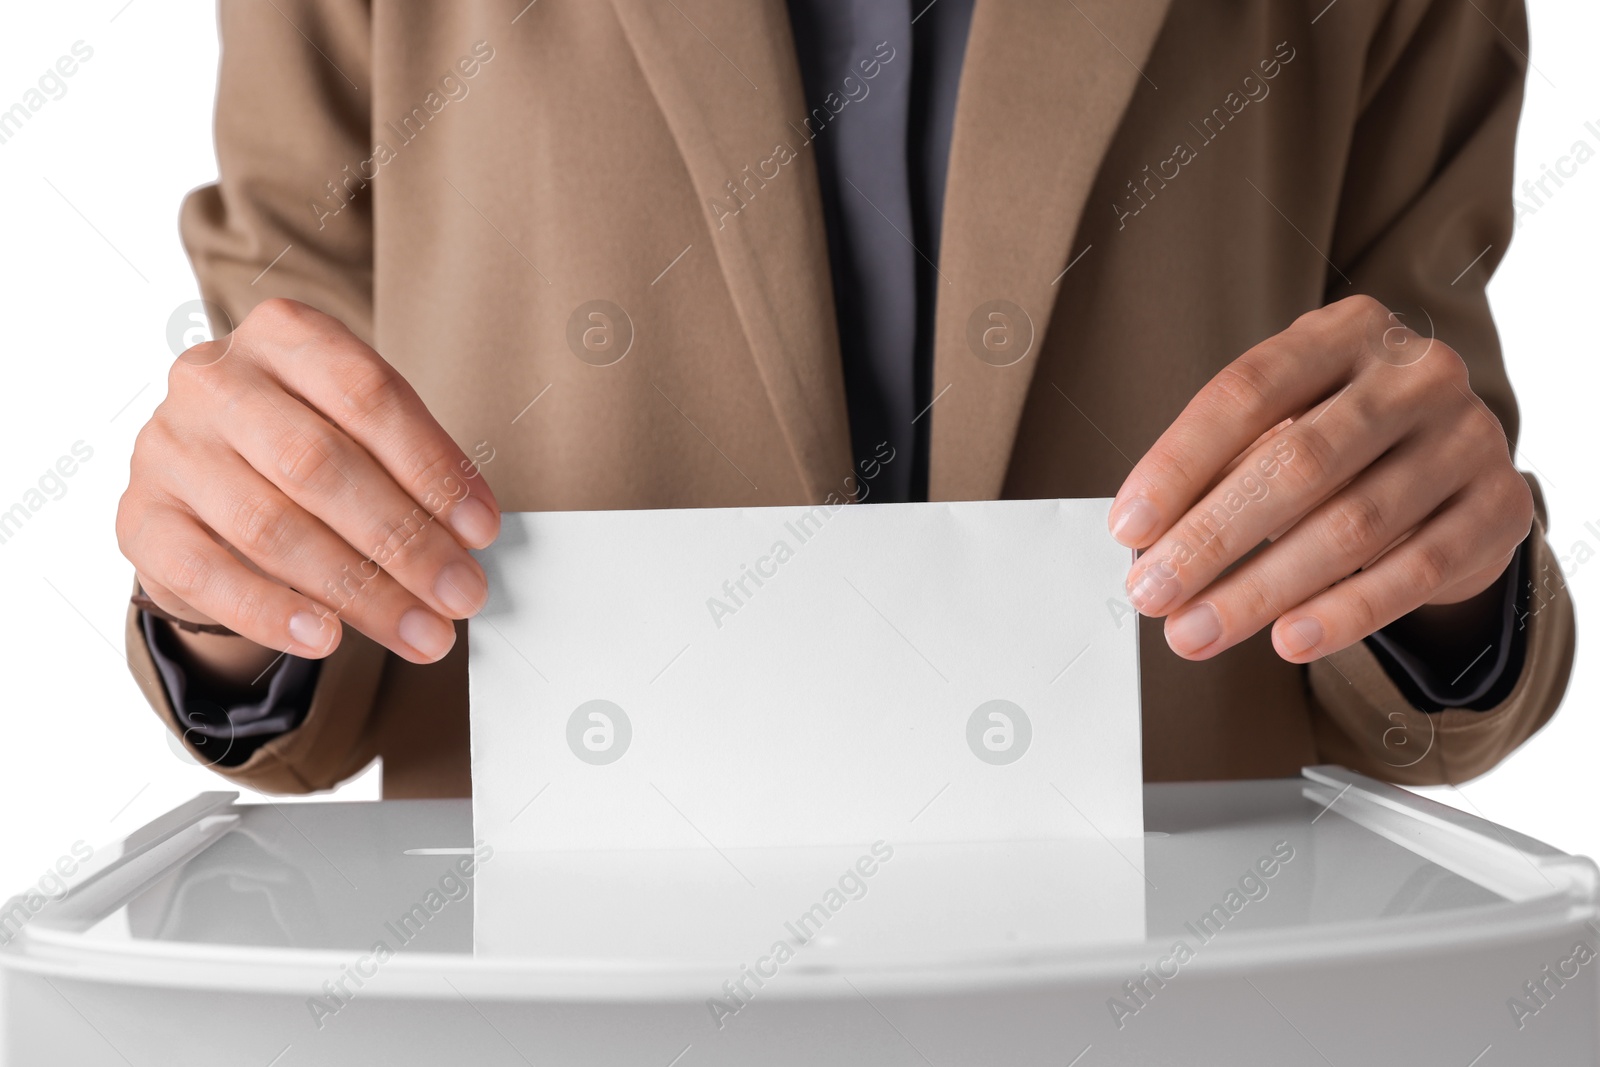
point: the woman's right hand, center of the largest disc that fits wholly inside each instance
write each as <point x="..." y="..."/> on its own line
<point x="292" y="481"/>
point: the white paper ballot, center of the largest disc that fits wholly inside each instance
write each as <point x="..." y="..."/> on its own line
<point x="740" y="678"/>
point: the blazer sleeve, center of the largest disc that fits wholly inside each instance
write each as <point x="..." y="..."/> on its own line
<point x="290" y="216"/>
<point x="1424" y="218"/>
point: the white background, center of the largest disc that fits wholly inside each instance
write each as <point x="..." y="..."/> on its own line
<point x="91" y="268"/>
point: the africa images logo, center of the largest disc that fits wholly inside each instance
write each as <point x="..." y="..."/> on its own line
<point x="599" y="732"/>
<point x="999" y="732"/>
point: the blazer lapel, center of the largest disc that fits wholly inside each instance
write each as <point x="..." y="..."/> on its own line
<point x="725" y="76"/>
<point x="1043" y="89"/>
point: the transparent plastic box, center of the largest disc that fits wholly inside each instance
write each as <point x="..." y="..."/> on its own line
<point x="1330" y="919"/>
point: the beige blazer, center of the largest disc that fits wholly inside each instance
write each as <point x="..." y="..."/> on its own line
<point x="1155" y="186"/>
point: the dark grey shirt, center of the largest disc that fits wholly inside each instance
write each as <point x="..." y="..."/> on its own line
<point x="225" y="731"/>
<point x="882" y="143"/>
<point x="881" y="165"/>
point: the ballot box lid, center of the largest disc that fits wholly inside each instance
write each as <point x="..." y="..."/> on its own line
<point x="221" y="894"/>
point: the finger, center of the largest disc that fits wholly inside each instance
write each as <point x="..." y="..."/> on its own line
<point x="1438" y="556"/>
<point x="356" y="390"/>
<point x="334" y="478"/>
<point x="170" y="602"/>
<point x="1276" y="379"/>
<point x="1465" y="440"/>
<point x="1285" y="477"/>
<point x="187" y="565"/>
<point x="1261" y="439"/>
<point x="1254" y="446"/>
<point x="295" y="547"/>
<point x="1338" y="538"/>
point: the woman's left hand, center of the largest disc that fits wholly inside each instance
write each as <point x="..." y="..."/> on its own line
<point x="1358" y="449"/>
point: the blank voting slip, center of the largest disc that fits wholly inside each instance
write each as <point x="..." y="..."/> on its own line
<point x="805" y="676"/>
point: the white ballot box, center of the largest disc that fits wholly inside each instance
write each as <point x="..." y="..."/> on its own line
<point x="1329" y="919"/>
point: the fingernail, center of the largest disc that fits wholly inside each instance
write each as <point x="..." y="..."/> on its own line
<point x="1134" y="521"/>
<point x="460" y="590"/>
<point x="1153" y="592"/>
<point x="474" y="522"/>
<point x="1194" y="629"/>
<point x="308" y="629"/>
<point x="1300" y="636"/>
<point x="424" y="631"/>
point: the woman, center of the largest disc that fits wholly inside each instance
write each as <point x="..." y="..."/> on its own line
<point x="1225" y="261"/>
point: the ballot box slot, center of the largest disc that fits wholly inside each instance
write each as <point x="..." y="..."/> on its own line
<point x="459" y="850"/>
